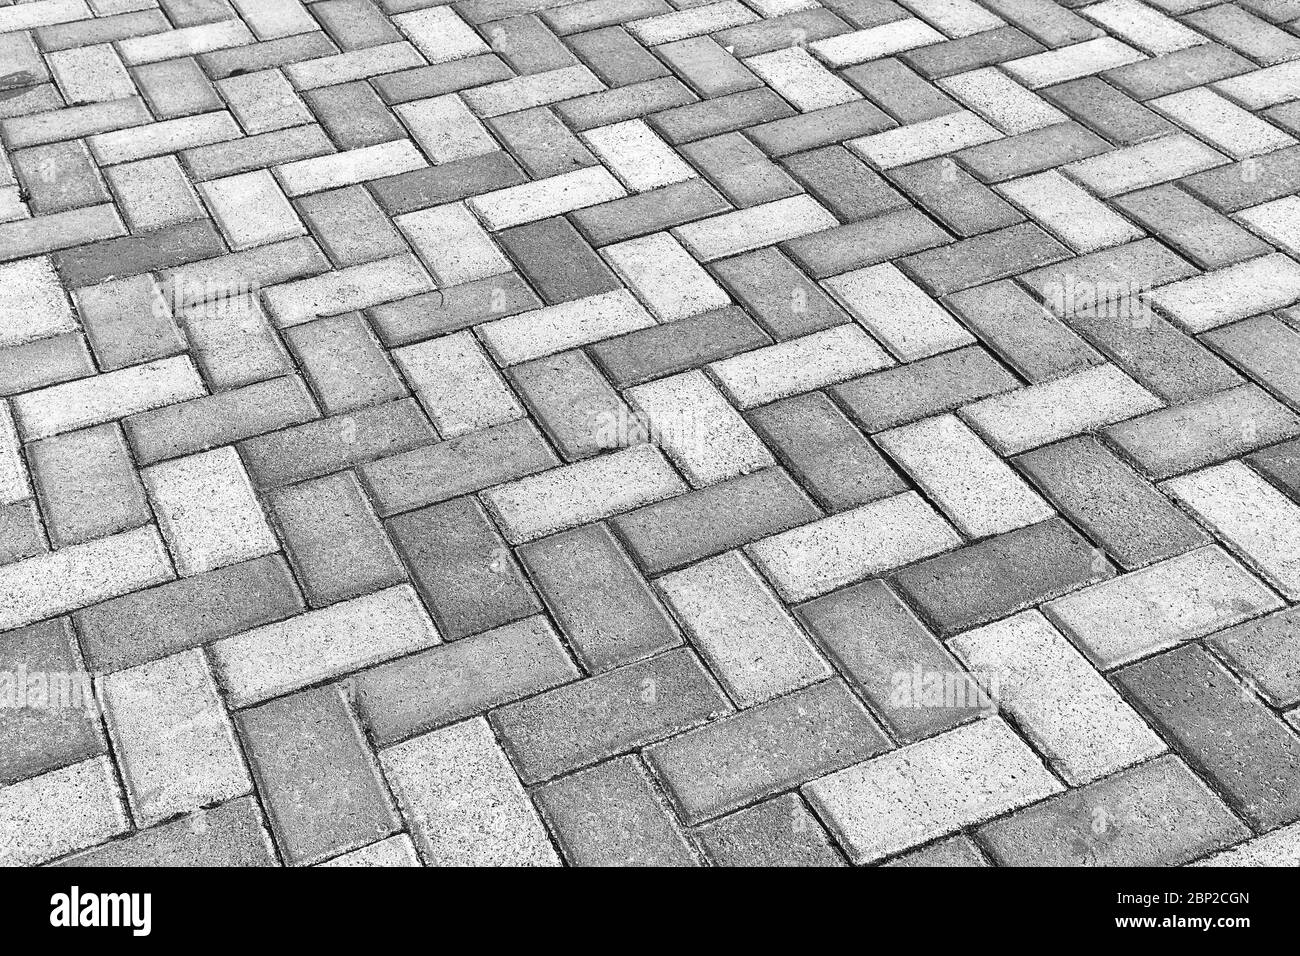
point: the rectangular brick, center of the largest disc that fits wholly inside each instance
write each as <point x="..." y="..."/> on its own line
<point x="1257" y="521"/>
<point x="1062" y="704"/>
<point x="819" y="557"/>
<point x="79" y="575"/>
<point x="1235" y="292"/>
<point x="1239" y="744"/>
<point x="457" y="384"/>
<point x="534" y="334"/>
<point x="1071" y="62"/>
<point x="316" y="775"/>
<point x="763" y="225"/>
<point x="748" y="638"/>
<point x="442" y="685"/>
<point x="897" y="313"/>
<point x="464" y="802"/>
<point x="60" y="811"/>
<point x="152" y="624"/>
<point x="602" y="604"/>
<point x="1159" y="814"/>
<point x="890" y="657"/>
<point x="923" y="140"/>
<point x="996" y="577"/>
<point x="334" y="540"/>
<point x="973" y="486"/>
<point x="583" y="722"/>
<point x="799" y="365"/>
<point x="275" y="659"/>
<point x="930" y="789"/>
<point x="461" y="466"/>
<point x="172" y="737"/>
<point x="760" y="751"/>
<point x="543" y="198"/>
<point x="461" y="567"/>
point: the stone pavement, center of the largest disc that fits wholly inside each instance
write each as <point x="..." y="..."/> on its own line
<point x="649" y="432"/>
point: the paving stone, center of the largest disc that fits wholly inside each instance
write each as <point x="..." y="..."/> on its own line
<point x="581" y="492"/>
<point x="321" y="787"/>
<point x="980" y="259"/>
<point x="1134" y="523"/>
<point x="56" y="721"/>
<point x="396" y="851"/>
<point x="836" y="462"/>
<point x="930" y="789"/>
<point x="975" y="488"/>
<point x="457" y="384"/>
<point x="1246" y="752"/>
<point x="1248" y="513"/>
<point x="587" y="721"/>
<point x="152" y="624"/>
<point x="22" y="534"/>
<point x="1059" y="409"/>
<point x="58" y="812"/>
<point x="334" y="540"/>
<point x="819" y="557"/>
<point x="799" y="365"/>
<point x="433" y="688"/>
<point x="1177" y="600"/>
<point x="574" y="403"/>
<point x="88" y="486"/>
<point x="460" y="466"/>
<point x="762" y="750"/>
<point x="172" y="737"/>
<point x="1265" y="651"/>
<point x="462" y="568"/>
<point x="740" y="628"/>
<point x="466" y="804"/>
<point x="998" y="576"/>
<point x="957" y="851"/>
<point x="703" y="523"/>
<point x="913" y="391"/>
<point x="777" y="832"/>
<point x="80" y="575"/>
<point x="1272" y="849"/>
<point x="1210" y="240"/>
<point x="1179" y="439"/>
<point x="557" y="260"/>
<point x="1156" y="814"/>
<point x="897" y="313"/>
<point x="207" y="511"/>
<point x="275" y="659"/>
<point x="542" y="332"/>
<point x="605" y="609"/>
<point x="611" y="815"/>
<point x="228" y="835"/>
<point x="668" y="280"/>
<point x="1235" y="292"/>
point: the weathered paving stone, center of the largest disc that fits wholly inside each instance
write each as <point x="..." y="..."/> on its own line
<point x="930" y="789"/>
<point x="706" y="522"/>
<point x="462" y="568"/>
<point x="232" y="834"/>
<point x="762" y="750"/>
<point x="56" y="723"/>
<point x="88" y="485"/>
<point x="1246" y="752"/>
<point x="735" y="621"/>
<point x="1110" y="502"/>
<point x="1000" y="575"/>
<point x="275" y="659"/>
<point x="615" y="712"/>
<point x="611" y="815"/>
<point x="321" y="787"/>
<point x="172" y="737"/>
<point x="445" y="684"/>
<point x="1267" y="652"/>
<point x="165" y="620"/>
<point x="465" y="803"/>
<point x="334" y="540"/>
<point x="957" y="851"/>
<point x="604" y="607"/>
<point x="889" y="655"/>
<point x="47" y="816"/>
<point x="1156" y="814"/>
<point x="819" y="557"/>
<point x="778" y="832"/>
<point x="1157" y="607"/>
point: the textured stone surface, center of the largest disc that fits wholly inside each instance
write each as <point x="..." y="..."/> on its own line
<point x="649" y="431"/>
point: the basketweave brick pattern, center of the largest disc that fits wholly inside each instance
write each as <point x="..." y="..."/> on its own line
<point x="649" y="432"/>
